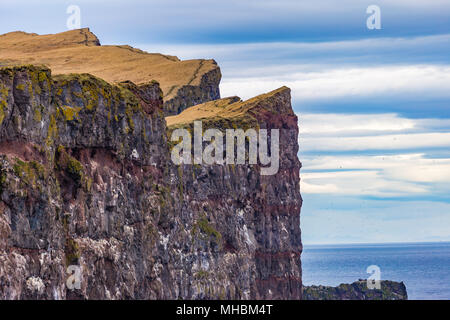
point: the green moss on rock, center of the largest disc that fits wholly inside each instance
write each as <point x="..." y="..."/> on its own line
<point x="29" y="172"/>
<point x="3" y="106"/>
<point x="70" y="165"/>
<point x="52" y="132"/>
<point x="70" y="113"/>
<point x="72" y="251"/>
<point x="206" y="231"/>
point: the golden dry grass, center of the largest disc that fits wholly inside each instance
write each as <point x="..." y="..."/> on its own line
<point x="226" y="108"/>
<point x="201" y="111"/>
<point x="78" y="51"/>
<point x="22" y="42"/>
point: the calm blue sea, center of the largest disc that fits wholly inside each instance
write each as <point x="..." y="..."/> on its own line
<point x="423" y="267"/>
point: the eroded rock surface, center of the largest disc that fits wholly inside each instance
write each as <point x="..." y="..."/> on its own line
<point x="86" y="180"/>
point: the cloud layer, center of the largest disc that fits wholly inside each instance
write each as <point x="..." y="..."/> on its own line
<point x="329" y="146"/>
<point x="426" y="81"/>
<point x="205" y="21"/>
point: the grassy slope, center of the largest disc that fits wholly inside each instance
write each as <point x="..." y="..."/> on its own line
<point x="226" y="109"/>
<point x="78" y="51"/>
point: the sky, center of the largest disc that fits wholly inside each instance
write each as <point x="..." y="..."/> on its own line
<point x="373" y="104"/>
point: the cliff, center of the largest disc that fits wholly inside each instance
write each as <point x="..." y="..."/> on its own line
<point x="86" y="180"/>
<point x="184" y="83"/>
<point x="390" y="290"/>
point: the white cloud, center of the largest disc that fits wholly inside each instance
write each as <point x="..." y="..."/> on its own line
<point x="389" y="175"/>
<point x="317" y="124"/>
<point x="270" y="52"/>
<point x="383" y="142"/>
<point x="369" y="183"/>
<point x="381" y="176"/>
<point x="406" y="167"/>
<point x="357" y="132"/>
<point x="419" y="80"/>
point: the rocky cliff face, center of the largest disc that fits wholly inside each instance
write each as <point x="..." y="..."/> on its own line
<point x="86" y="180"/>
<point x="189" y="95"/>
<point x="255" y="217"/>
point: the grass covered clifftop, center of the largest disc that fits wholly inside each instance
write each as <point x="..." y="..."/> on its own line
<point x="183" y="82"/>
<point x="23" y="42"/>
<point x="232" y="110"/>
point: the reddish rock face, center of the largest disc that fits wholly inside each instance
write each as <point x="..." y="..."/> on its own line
<point x="86" y="180"/>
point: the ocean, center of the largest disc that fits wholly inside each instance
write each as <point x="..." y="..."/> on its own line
<point x="423" y="267"/>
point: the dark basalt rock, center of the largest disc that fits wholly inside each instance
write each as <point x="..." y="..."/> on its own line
<point x="86" y="179"/>
<point x="390" y="290"/>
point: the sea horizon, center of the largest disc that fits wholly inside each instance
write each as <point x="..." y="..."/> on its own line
<point x="372" y="243"/>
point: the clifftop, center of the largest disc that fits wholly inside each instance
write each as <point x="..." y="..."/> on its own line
<point x="232" y="111"/>
<point x="23" y="42"/>
<point x="202" y="111"/>
<point x="184" y="82"/>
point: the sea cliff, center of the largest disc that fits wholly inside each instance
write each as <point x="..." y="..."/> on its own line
<point x="87" y="181"/>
